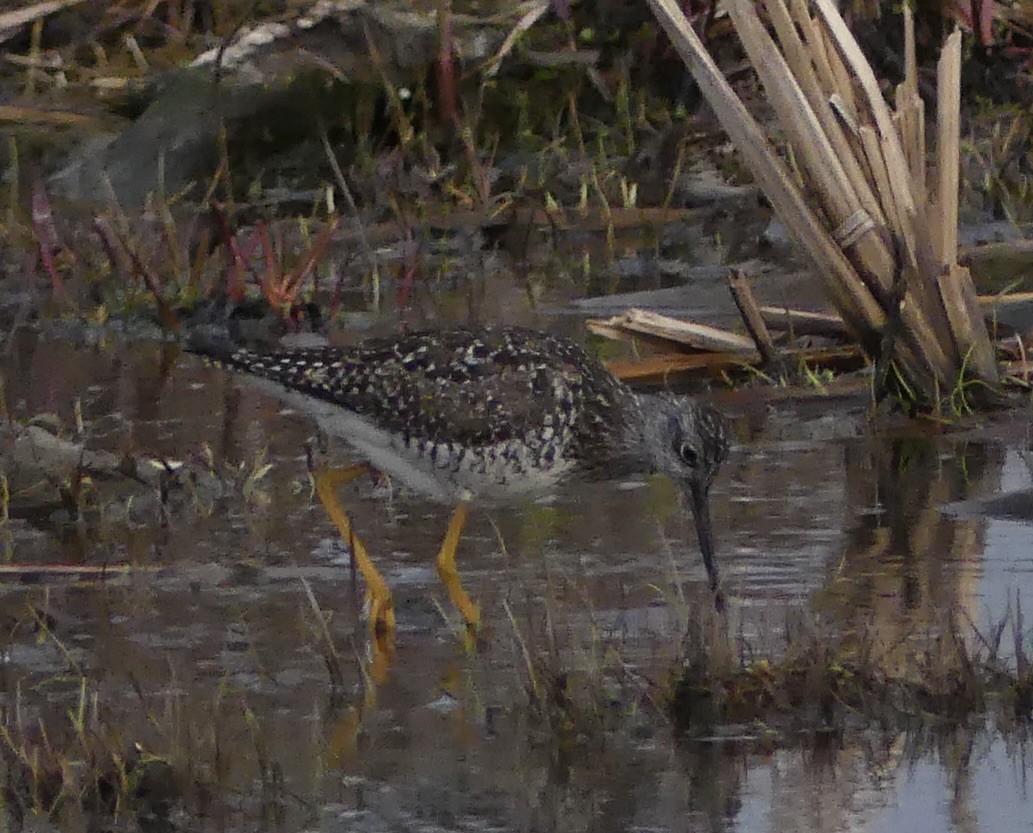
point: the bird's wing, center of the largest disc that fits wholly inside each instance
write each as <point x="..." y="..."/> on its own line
<point x="474" y="388"/>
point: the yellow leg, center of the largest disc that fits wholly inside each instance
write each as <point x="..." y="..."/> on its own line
<point x="381" y="611"/>
<point x="448" y="573"/>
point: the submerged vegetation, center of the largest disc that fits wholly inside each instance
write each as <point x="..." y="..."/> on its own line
<point x="824" y="680"/>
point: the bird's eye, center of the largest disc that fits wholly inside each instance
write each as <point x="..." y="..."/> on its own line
<point x="688" y="455"/>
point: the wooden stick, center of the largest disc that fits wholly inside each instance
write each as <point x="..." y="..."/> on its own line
<point x="698" y="336"/>
<point x="990" y="302"/>
<point x="1017" y="254"/>
<point x="804" y="323"/>
<point x="957" y="291"/>
<point x="659" y="368"/>
<point x="754" y="321"/>
<point x="825" y="172"/>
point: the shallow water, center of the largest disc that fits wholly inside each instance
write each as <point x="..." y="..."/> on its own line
<point x="217" y="662"/>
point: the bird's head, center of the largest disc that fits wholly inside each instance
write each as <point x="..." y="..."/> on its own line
<point x="689" y="442"/>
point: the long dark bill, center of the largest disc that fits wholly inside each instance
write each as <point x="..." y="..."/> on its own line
<point x="700" y="501"/>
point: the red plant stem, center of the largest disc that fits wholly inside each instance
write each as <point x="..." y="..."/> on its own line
<point x="46" y="237"/>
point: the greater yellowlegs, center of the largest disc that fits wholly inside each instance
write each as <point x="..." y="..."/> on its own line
<point x="484" y="412"/>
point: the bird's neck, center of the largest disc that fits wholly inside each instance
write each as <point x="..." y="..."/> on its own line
<point x="627" y="450"/>
<point x="653" y="413"/>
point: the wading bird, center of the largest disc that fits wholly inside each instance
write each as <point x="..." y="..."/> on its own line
<point x="491" y="412"/>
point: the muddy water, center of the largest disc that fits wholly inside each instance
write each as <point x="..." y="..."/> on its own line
<point x="211" y="654"/>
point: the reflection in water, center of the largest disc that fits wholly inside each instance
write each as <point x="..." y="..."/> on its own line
<point x="220" y="662"/>
<point x="907" y="565"/>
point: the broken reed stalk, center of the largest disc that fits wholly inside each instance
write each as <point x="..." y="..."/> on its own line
<point x="754" y="320"/>
<point x="885" y="248"/>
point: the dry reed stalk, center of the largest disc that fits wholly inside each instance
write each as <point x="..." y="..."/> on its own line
<point x="861" y="72"/>
<point x="971" y="338"/>
<point x="849" y="295"/>
<point x="799" y="59"/>
<point x="816" y="46"/>
<point x="885" y="247"/>
<point x="948" y="117"/>
<point x="824" y="170"/>
<point x="926" y="324"/>
<point x="805" y="322"/>
<point x="876" y="166"/>
<point x="910" y="59"/>
<point x="910" y="113"/>
<point x="854" y="227"/>
<point x="841" y="78"/>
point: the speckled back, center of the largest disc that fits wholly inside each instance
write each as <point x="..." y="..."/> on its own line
<point x="510" y="391"/>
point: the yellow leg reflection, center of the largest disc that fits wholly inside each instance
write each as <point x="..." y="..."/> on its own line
<point x="344" y="736"/>
<point x="381" y="611"/>
<point x="449" y="574"/>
